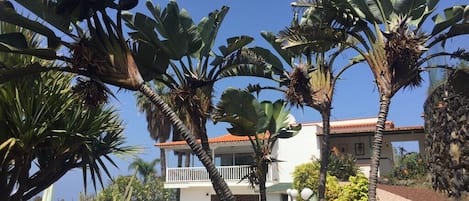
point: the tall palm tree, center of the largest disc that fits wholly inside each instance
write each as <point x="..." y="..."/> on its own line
<point x="395" y="51"/>
<point x="263" y="122"/>
<point x="145" y="169"/>
<point x="310" y="47"/>
<point x="194" y="66"/>
<point x="157" y="124"/>
<point x="103" y="56"/>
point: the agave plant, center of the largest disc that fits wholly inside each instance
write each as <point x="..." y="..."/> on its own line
<point x="263" y="122"/>
<point x="395" y="51"/>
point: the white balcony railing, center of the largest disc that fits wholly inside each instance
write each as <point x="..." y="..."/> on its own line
<point x="199" y="174"/>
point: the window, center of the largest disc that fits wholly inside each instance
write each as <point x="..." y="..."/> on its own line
<point x="359" y="149"/>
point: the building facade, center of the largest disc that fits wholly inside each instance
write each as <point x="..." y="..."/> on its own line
<point x="233" y="156"/>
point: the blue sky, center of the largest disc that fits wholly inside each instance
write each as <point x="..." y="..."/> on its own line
<point x="355" y="96"/>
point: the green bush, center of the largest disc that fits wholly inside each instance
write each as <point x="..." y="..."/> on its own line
<point x="342" y="166"/>
<point x="410" y="166"/>
<point x="356" y="190"/>
<point x="307" y="175"/>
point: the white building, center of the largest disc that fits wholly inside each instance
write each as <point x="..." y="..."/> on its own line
<point x="233" y="154"/>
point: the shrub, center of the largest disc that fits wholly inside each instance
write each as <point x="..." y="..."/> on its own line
<point x="410" y="166"/>
<point x="342" y="166"/>
<point x="356" y="190"/>
<point x="307" y="175"/>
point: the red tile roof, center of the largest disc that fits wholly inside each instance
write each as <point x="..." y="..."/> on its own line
<point x="220" y="139"/>
<point x="337" y="127"/>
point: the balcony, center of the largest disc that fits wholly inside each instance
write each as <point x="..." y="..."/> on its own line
<point x="175" y="177"/>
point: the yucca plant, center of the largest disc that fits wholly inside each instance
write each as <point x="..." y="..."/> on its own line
<point x="393" y="43"/>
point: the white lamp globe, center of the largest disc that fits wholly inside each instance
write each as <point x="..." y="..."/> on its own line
<point x="306" y="193"/>
<point x="288" y="191"/>
<point x="294" y="193"/>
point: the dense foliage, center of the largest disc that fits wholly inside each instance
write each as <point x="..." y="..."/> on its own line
<point x="356" y="190"/>
<point x="152" y="190"/>
<point x="342" y="166"/>
<point x="47" y="131"/>
<point x="410" y="166"/>
<point x="307" y="175"/>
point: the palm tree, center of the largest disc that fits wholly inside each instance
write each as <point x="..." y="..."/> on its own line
<point x="312" y="42"/>
<point x="143" y="168"/>
<point x="194" y="66"/>
<point x="396" y="50"/>
<point x="103" y="57"/>
<point x="158" y="125"/>
<point x="264" y="123"/>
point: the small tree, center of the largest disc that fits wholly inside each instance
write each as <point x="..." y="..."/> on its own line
<point x="264" y="123"/>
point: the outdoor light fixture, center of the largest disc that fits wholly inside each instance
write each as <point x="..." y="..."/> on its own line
<point x="306" y="194"/>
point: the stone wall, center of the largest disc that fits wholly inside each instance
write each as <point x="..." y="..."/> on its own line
<point x="447" y="140"/>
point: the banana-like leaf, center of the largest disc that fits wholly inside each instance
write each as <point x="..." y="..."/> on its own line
<point x="271" y="39"/>
<point x="16" y="39"/>
<point x="144" y="27"/>
<point x="278" y="117"/>
<point x="451" y="16"/>
<point x="246" y="62"/>
<point x="235" y="43"/>
<point x="176" y="26"/>
<point x="42" y="53"/>
<point x="10" y="73"/>
<point x="208" y="28"/>
<point x="9" y="15"/>
<point x="455" y="30"/>
<point x="242" y="111"/>
<point x="151" y="61"/>
<point x="47" y="10"/>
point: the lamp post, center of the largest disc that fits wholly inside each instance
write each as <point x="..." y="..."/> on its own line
<point x="306" y="194"/>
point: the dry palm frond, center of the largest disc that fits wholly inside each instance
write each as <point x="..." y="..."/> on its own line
<point x="321" y="88"/>
<point x="92" y="92"/>
<point x="298" y="91"/>
<point x="311" y="38"/>
<point x="105" y="55"/>
<point x="87" y="57"/>
<point x="403" y="50"/>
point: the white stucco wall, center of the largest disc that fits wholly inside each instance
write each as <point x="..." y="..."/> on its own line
<point x="295" y="151"/>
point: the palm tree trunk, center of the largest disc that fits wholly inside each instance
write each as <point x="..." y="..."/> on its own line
<point x="219" y="185"/>
<point x="325" y="152"/>
<point x="262" y="188"/>
<point x="385" y="101"/>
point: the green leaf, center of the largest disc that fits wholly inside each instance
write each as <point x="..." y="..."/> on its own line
<point x="242" y="111"/>
<point x="151" y="61"/>
<point x="271" y="39"/>
<point x="47" y="10"/>
<point x="16" y="40"/>
<point x="235" y="43"/>
<point x="10" y="16"/>
<point x="48" y="54"/>
<point x="269" y="58"/>
<point x="208" y="28"/>
<point x="451" y="16"/>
